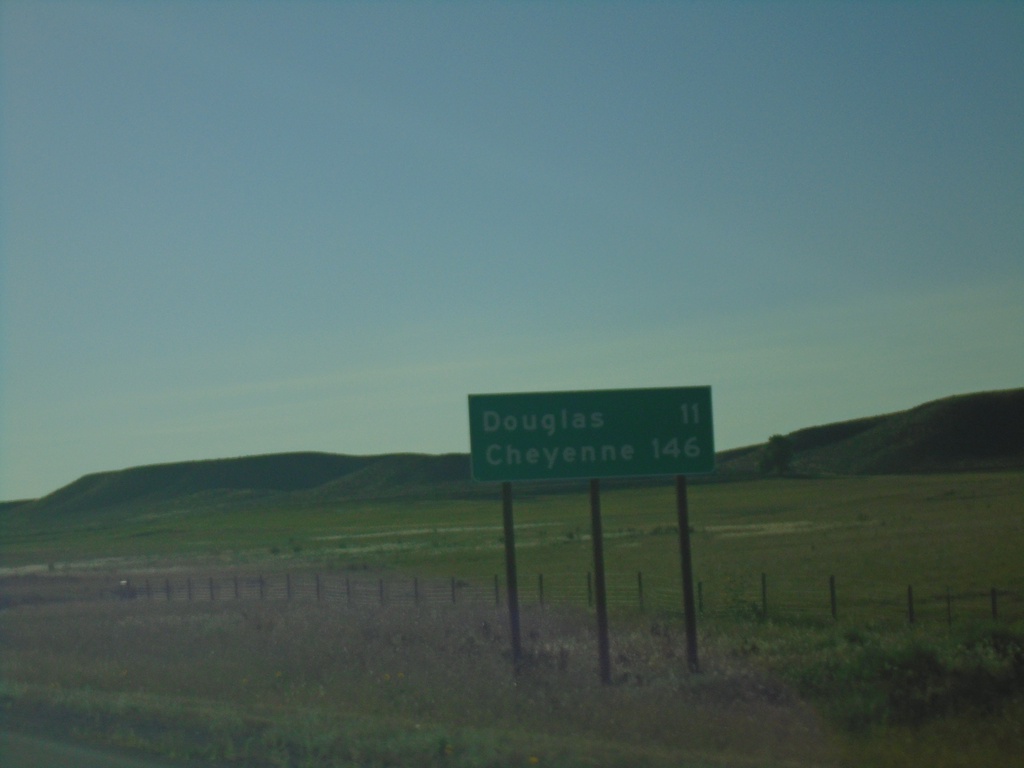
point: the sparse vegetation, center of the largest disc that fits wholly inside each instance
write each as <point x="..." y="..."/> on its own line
<point x="303" y="685"/>
<point x="280" y="683"/>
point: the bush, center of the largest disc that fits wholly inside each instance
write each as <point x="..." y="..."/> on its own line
<point x="865" y="679"/>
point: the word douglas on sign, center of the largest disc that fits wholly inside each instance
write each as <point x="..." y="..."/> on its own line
<point x="549" y="423"/>
<point x="591" y="434"/>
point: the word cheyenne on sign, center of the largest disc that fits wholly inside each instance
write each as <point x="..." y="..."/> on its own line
<point x="549" y="424"/>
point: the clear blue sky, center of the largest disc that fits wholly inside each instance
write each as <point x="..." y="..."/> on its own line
<point x="236" y="228"/>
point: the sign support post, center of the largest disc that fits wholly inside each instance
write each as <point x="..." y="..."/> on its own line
<point x="603" y="649"/>
<point x="511" y="579"/>
<point x="686" y="559"/>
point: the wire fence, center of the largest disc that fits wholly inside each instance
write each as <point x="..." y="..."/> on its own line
<point x="633" y="593"/>
<point x="328" y="588"/>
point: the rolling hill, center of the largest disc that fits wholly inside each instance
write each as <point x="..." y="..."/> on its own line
<point x="310" y="475"/>
<point x="975" y="432"/>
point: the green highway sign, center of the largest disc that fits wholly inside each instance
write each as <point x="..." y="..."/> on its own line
<point x="591" y="434"/>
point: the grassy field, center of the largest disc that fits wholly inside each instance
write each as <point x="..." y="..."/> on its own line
<point x="308" y="682"/>
<point x="875" y="535"/>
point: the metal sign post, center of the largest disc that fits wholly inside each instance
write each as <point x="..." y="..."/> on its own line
<point x="603" y="644"/>
<point x="686" y="559"/>
<point x="512" y="581"/>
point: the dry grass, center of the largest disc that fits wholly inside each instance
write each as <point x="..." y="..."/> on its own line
<point x="307" y="683"/>
<point x="317" y="684"/>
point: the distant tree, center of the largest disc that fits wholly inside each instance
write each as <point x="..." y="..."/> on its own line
<point x="777" y="455"/>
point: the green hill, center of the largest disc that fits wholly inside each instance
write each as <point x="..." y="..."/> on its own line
<point x="258" y="477"/>
<point x="976" y="432"/>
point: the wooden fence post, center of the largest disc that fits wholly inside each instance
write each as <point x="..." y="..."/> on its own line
<point x="764" y="595"/>
<point x="832" y="597"/>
